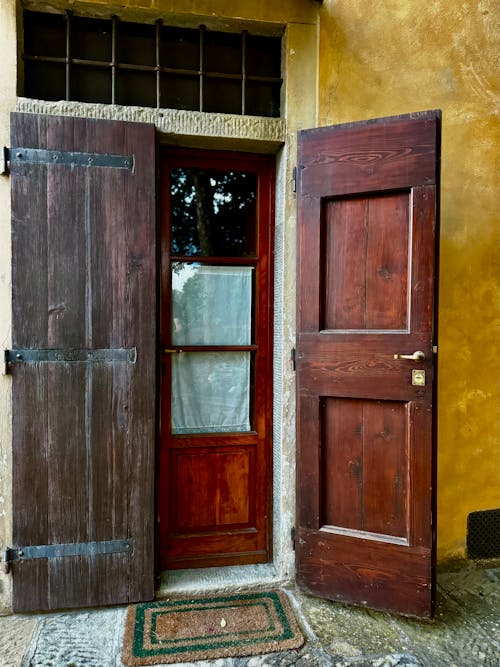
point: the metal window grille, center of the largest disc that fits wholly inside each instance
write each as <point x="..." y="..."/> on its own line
<point x="117" y="62"/>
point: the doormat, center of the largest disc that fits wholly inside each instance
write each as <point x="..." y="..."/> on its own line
<point x="189" y="629"/>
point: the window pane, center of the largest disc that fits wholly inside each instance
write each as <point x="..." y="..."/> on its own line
<point x="136" y="44"/>
<point x="222" y="52"/>
<point x="136" y="88"/>
<point x="211" y="305"/>
<point x="44" y="81"/>
<point x="180" y="92"/>
<point x="213" y="212"/>
<point x="45" y="35"/>
<point x="263" y="99"/>
<point x="222" y="95"/>
<point x="91" y="39"/>
<point x="210" y="392"/>
<point x="90" y="84"/>
<point x="263" y="56"/>
<point x="180" y="48"/>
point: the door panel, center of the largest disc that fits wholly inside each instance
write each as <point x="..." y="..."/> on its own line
<point x="83" y="431"/>
<point x="365" y="466"/>
<point x="215" y="471"/>
<point x="366" y="272"/>
<point x="367" y="208"/>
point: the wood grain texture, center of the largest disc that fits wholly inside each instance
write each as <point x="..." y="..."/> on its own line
<point x="83" y="434"/>
<point x="366" y="263"/>
<point x="367" y="207"/>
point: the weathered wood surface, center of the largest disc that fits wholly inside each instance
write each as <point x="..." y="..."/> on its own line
<point x="84" y="267"/>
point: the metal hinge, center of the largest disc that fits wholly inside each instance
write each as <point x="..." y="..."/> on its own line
<point x="17" y="156"/>
<point x="16" y="554"/>
<point x="294" y="180"/>
<point x="293" y="533"/>
<point x="69" y="355"/>
<point x="293" y="358"/>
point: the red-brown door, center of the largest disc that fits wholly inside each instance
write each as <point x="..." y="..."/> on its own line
<point x="216" y="326"/>
<point x="367" y="219"/>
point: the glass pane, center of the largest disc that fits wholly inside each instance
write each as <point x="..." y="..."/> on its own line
<point x="263" y="99"/>
<point x="222" y="52"/>
<point x="90" y="84"/>
<point x="180" y="92"/>
<point x="213" y="212"/>
<point x="180" y="48"/>
<point x="211" y="305"/>
<point x="136" y="88"/>
<point x="210" y="392"/>
<point x="45" y="35"/>
<point x="222" y="95"/>
<point x="44" y="81"/>
<point x="91" y="39"/>
<point x="263" y="56"/>
<point x="136" y="44"/>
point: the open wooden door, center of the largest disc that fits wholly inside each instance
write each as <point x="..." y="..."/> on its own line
<point x="83" y="361"/>
<point x="367" y="218"/>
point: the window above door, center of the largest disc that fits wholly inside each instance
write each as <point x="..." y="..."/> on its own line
<point x="112" y="61"/>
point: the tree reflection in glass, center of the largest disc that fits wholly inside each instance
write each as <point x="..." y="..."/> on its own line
<point x="213" y="212"/>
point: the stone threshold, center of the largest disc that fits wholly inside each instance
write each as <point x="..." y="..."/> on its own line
<point x="218" y="579"/>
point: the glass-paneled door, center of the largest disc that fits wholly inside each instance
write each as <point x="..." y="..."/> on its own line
<point x="216" y="358"/>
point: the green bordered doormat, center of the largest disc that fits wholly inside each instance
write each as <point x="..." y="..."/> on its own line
<point x="188" y="629"/>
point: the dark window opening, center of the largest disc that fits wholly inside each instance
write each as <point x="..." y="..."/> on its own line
<point x="110" y="61"/>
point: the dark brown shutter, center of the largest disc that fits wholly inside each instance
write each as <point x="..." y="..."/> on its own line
<point x="84" y="279"/>
<point x="367" y="219"/>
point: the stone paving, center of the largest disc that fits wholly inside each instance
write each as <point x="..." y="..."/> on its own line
<point x="464" y="633"/>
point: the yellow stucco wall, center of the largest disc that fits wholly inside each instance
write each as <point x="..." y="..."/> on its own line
<point x="397" y="56"/>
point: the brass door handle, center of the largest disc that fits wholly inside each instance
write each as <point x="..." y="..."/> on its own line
<point x="416" y="356"/>
<point x="169" y="350"/>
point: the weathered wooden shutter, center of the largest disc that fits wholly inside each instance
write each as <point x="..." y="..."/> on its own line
<point x="368" y="203"/>
<point x="83" y="361"/>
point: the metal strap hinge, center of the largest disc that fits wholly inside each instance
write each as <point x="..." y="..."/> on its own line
<point x="18" y="156"/>
<point x="69" y="355"/>
<point x="17" y="554"/>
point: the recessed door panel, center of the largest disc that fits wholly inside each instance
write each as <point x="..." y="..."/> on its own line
<point x="213" y="490"/>
<point x="364" y="464"/>
<point x="366" y="262"/>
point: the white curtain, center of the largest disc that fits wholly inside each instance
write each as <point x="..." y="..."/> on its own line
<point x="212" y="305"/>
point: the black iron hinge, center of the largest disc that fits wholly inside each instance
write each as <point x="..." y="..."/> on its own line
<point x="17" y="554"/>
<point x="292" y="535"/>
<point x="292" y="357"/>
<point x="70" y="355"/>
<point x="72" y="159"/>
<point x="294" y="179"/>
